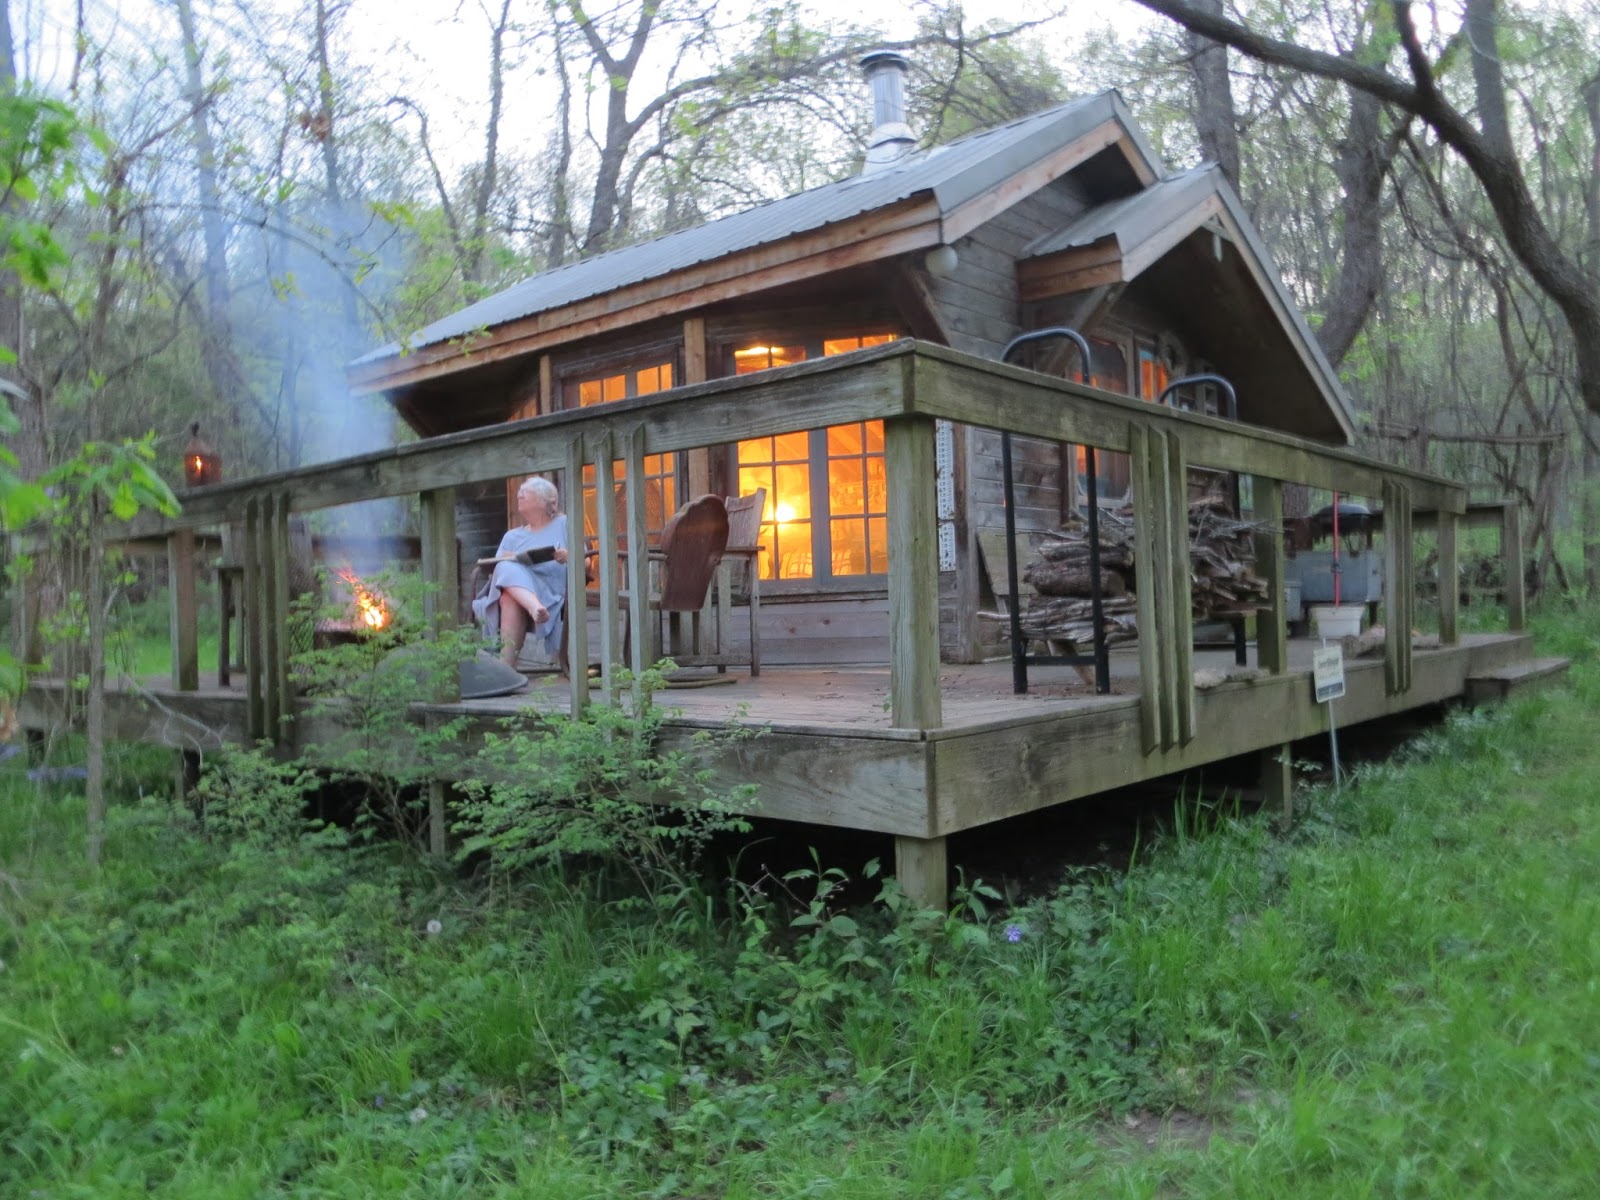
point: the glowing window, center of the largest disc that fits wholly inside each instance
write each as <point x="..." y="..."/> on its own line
<point x="1108" y="367"/>
<point x="827" y="495"/>
<point x="1153" y="374"/>
<point x="760" y="358"/>
<point x="782" y="465"/>
<point x="660" y="470"/>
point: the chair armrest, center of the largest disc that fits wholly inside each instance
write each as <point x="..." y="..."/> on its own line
<point x="742" y="551"/>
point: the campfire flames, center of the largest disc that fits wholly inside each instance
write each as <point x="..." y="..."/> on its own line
<point x="373" y="611"/>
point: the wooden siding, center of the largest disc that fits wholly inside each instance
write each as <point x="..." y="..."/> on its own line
<point x="981" y="311"/>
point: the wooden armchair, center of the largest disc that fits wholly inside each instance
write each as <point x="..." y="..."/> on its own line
<point x="680" y="575"/>
<point x="740" y="578"/>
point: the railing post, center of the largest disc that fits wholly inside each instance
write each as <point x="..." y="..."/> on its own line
<point x="278" y="552"/>
<point x="577" y="601"/>
<point x="441" y="599"/>
<point x="1449" y="526"/>
<point x="914" y="699"/>
<point x="1181" y="684"/>
<point x="921" y="864"/>
<point x="1272" y="638"/>
<point x="1166" y="618"/>
<point x="1272" y="622"/>
<point x="182" y="612"/>
<point x="1399" y="586"/>
<point x="255" y="719"/>
<point x="1511" y="555"/>
<point x="606" y="566"/>
<point x="643" y="650"/>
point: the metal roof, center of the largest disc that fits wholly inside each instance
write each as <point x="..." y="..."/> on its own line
<point x="1134" y="218"/>
<point x="952" y="173"/>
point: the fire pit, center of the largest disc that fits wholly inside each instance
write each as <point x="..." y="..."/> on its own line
<point x="368" y="613"/>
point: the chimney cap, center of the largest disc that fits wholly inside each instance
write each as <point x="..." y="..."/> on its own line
<point x="891" y="138"/>
<point x="875" y="58"/>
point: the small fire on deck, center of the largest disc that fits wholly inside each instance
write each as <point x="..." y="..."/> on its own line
<point x="369" y="613"/>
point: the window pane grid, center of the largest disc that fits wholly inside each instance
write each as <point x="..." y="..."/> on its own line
<point x="660" y="470"/>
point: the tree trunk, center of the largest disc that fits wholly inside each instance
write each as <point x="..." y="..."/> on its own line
<point x="31" y="441"/>
<point x="95" y="716"/>
<point x="1591" y="430"/>
<point x="489" y="175"/>
<point x="1364" y="155"/>
<point x="221" y="367"/>
<point x="1215" y="119"/>
<point x="1483" y="150"/>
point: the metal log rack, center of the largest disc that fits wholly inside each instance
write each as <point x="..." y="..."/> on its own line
<point x="1099" y="658"/>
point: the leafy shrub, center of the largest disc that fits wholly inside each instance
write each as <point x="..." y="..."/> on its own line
<point x="360" y="696"/>
<point x="551" y="786"/>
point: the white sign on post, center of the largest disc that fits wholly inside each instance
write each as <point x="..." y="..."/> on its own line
<point x="1327" y="673"/>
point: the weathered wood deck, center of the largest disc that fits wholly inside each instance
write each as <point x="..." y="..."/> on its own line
<point x="829" y="753"/>
<point x="916" y="749"/>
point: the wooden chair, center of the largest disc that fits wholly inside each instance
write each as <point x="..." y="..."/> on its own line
<point x="740" y="578"/>
<point x="680" y="577"/>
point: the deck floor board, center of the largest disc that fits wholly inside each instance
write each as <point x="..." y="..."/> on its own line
<point x="853" y="700"/>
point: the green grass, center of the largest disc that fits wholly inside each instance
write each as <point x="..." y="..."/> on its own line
<point x="1400" y="998"/>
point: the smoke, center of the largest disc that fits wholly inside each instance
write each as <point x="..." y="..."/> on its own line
<point x="331" y="268"/>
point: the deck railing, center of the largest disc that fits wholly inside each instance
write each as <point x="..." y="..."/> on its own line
<point x="909" y="386"/>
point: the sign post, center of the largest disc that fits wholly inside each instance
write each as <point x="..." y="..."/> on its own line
<point x="1327" y="682"/>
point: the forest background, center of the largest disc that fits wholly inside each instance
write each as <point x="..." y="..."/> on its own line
<point x="279" y="185"/>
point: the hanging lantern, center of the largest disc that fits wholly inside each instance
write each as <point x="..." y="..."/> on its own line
<point x="201" y="464"/>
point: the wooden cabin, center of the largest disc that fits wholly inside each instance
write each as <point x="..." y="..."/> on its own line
<point x="1065" y="217"/>
<point x="839" y="350"/>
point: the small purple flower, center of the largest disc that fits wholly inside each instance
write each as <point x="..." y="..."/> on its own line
<point x="1013" y="933"/>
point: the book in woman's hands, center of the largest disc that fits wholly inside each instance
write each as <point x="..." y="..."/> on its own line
<point x="537" y="555"/>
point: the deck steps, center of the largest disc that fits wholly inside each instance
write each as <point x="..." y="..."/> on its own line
<point x="1488" y="687"/>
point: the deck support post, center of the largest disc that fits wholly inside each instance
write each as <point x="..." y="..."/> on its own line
<point x="1511" y="557"/>
<point x="1277" y="782"/>
<point x="183" y="633"/>
<point x="914" y="698"/>
<point x="1449" y="579"/>
<point x="922" y="866"/>
<point x="441" y="599"/>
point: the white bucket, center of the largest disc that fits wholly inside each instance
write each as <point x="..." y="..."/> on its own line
<point x="1337" y="620"/>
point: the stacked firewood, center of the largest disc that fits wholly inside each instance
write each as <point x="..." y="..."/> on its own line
<point x="1222" y="576"/>
<point x="1061" y="608"/>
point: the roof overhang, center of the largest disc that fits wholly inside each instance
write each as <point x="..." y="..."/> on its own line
<point x="1121" y="242"/>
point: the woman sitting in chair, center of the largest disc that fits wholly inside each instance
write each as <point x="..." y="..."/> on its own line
<point x="528" y="589"/>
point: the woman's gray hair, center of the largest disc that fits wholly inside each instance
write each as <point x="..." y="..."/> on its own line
<point x="537" y="485"/>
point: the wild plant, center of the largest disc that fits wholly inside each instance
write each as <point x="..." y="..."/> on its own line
<point x="607" y="783"/>
<point x="362" y="716"/>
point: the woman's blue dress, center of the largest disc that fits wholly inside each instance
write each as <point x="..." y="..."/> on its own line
<point x="547" y="581"/>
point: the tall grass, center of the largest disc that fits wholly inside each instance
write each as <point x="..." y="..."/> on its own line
<point x="1398" y="998"/>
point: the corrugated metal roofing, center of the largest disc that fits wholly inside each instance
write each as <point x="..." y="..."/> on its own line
<point x="953" y="173"/>
<point x="1134" y="218"/>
